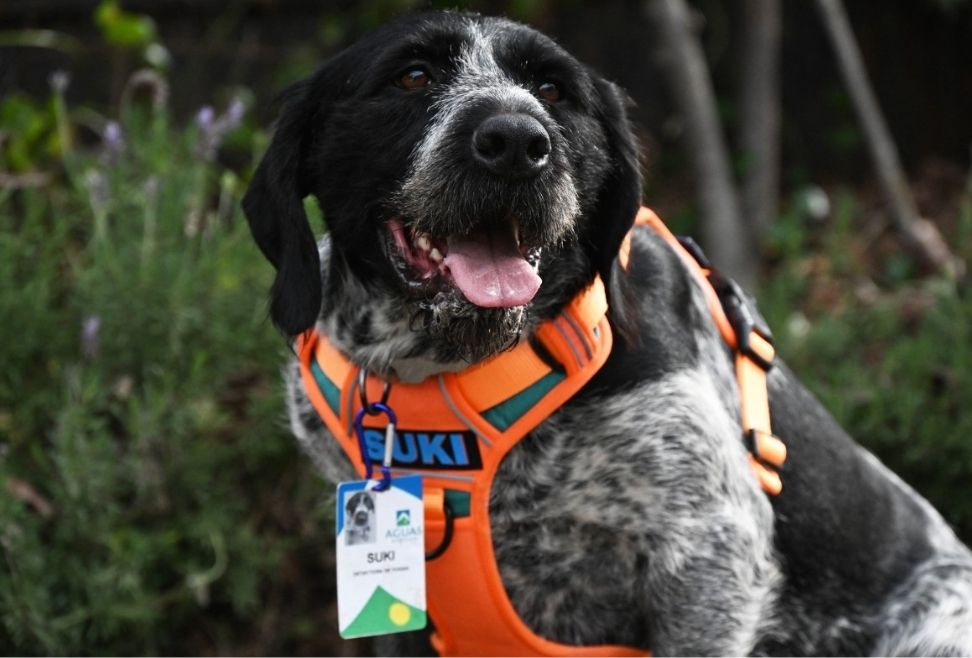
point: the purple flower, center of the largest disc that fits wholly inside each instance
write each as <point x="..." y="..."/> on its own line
<point x="204" y="117"/>
<point x="213" y="129"/>
<point x="90" y="337"/>
<point x="113" y="143"/>
<point x="234" y="113"/>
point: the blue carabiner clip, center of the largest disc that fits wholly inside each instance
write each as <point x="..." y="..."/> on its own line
<point x="373" y="409"/>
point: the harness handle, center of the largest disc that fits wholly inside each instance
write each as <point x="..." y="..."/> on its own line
<point x="446" y="536"/>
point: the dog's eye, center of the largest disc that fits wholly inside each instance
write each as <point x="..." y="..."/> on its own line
<point x="549" y="92"/>
<point x="414" y="78"/>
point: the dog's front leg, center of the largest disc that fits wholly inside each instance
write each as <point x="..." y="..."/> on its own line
<point x="710" y="585"/>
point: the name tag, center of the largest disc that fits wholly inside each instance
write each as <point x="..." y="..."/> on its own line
<point x="380" y="557"/>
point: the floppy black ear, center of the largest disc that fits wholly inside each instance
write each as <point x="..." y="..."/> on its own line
<point x="620" y="195"/>
<point x="274" y="206"/>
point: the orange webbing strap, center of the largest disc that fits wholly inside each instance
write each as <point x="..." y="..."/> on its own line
<point x="647" y="217"/>
<point x="754" y="415"/>
<point x="754" y="357"/>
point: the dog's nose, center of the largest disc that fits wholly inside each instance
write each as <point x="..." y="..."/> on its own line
<point x="513" y="145"/>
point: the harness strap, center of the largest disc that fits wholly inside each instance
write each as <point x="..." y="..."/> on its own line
<point x="748" y="338"/>
<point x="455" y="429"/>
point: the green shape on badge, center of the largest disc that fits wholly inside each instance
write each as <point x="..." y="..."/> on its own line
<point x="383" y="613"/>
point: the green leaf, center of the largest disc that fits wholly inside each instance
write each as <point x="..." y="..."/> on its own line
<point x="122" y="28"/>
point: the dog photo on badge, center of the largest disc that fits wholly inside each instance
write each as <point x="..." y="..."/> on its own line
<point x="360" y="510"/>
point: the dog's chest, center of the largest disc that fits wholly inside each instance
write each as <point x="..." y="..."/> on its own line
<point x="578" y="507"/>
<point x="567" y="542"/>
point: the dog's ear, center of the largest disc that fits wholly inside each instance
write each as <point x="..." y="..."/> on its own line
<point x="274" y="206"/>
<point x="620" y="194"/>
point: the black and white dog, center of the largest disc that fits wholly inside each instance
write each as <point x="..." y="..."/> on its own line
<point x="461" y="160"/>
<point x="360" y="519"/>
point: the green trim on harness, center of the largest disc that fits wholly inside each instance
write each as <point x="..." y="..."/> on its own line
<point x="507" y="412"/>
<point x="458" y="502"/>
<point x="331" y="393"/>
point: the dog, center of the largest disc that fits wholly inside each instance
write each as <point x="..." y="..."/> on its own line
<point x="474" y="177"/>
<point x="360" y="514"/>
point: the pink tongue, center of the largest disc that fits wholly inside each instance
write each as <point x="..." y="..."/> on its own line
<point x="489" y="270"/>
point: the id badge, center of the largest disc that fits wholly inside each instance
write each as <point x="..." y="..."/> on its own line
<point x="380" y="557"/>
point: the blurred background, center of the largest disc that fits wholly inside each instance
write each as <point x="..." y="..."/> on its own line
<point x="151" y="499"/>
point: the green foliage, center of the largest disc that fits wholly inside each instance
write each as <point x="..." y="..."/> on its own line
<point x="892" y="362"/>
<point x="153" y="501"/>
<point x="30" y="132"/>
<point x="124" y="29"/>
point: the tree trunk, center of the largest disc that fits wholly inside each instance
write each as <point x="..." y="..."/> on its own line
<point x="759" y="113"/>
<point x="725" y="237"/>
<point x="920" y="236"/>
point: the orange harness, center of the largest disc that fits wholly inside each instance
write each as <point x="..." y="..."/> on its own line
<point x="455" y="428"/>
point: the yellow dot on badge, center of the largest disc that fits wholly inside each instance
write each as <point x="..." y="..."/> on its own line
<point x="399" y="614"/>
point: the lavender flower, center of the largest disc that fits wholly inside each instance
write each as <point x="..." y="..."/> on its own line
<point x="204" y="117"/>
<point x="98" y="197"/>
<point x="113" y="143"/>
<point x="234" y="113"/>
<point x="90" y="337"/>
<point x="152" y="81"/>
<point x="214" y="129"/>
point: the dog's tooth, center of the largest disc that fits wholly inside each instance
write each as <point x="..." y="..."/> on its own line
<point x="435" y="255"/>
<point x="422" y="241"/>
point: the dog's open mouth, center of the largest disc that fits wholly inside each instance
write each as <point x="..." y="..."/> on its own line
<point x="492" y="268"/>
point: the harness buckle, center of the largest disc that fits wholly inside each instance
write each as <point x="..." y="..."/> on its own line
<point x="695" y="251"/>
<point x="753" y="337"/>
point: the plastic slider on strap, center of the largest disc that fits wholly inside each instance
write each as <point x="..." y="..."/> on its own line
<point x="765" y="447"/>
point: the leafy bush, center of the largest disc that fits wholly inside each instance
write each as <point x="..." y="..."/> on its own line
<point x="888" y="353"/>
<point x="153" y="501"/>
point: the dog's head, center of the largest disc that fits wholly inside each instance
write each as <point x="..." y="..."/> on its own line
<point x="473" y="177"/>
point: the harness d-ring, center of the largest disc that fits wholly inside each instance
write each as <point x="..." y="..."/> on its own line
<point x="373" y="409"/>
<point x="363" y="391"/>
